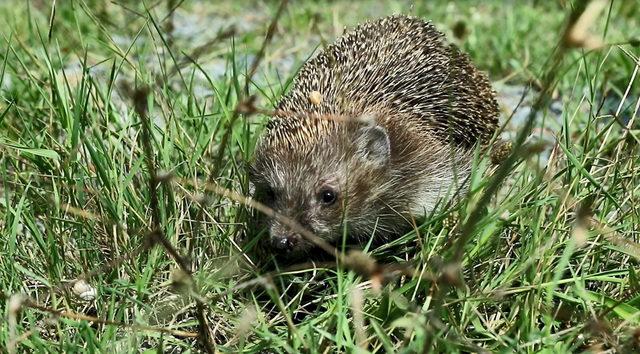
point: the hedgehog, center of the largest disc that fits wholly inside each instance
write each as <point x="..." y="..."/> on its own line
<point x="376" y="130"/>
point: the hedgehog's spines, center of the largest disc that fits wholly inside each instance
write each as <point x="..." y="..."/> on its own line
<point x="396" y="64"/>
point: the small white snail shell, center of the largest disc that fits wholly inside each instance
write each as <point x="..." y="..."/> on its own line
<point x="84" y="291"/>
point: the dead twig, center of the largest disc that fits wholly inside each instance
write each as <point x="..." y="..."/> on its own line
<point x="156" y="235"/>
<point x="548" y="83"/>
<point x="252" y="70"/>
<point x="29" y="303"/>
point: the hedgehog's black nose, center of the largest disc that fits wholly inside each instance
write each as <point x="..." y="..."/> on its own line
<point x="283" y="243"/>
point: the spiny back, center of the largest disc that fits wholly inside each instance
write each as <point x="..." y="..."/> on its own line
<point x="395" y="64"/>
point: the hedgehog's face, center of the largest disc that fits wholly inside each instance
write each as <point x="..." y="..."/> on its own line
<point x="315" y="188"/>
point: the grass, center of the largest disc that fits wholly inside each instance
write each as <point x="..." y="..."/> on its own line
<point x="550" y="264"/>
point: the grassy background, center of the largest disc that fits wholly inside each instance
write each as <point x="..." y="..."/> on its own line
<point x="549" y="267"/>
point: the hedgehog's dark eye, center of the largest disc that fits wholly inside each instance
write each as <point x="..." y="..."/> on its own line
<point x="268" y="194"/>
<point x="328" y="196"/>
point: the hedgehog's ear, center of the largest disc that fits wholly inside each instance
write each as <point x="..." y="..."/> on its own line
<point x="373" y="145"/>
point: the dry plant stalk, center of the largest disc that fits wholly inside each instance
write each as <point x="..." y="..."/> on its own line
<point x="577" y="34"/>
<point x="357" y="311"/>
<point x="17" y="302"/>
<point x="252" y="70"/>
<point x="548" y="83"/>
<point x="156" y="236"/>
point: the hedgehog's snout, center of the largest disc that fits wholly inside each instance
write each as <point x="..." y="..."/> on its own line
<point x="283" y="239"/>
<point x="285" y="243"/>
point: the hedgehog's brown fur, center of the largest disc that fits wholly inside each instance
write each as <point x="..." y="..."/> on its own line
<point x="413" y="89"/>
